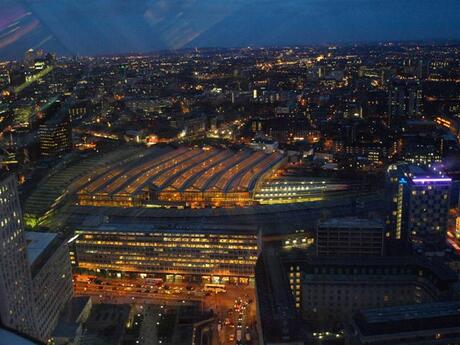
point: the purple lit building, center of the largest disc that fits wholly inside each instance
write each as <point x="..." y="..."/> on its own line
<point x="419" y="204"/>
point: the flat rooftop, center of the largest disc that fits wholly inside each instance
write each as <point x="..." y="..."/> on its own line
<point x="37" y="243"/>
<point x="441" y="271"/>
<point x="169" y="227"/>
<point x="408" y="312"/>
<point x="352" y="222"/>
<point x="421" y="175"/>
<point x="409" y="318"/>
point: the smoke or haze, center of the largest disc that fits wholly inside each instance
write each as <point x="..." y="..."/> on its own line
<point x="91" y="27"/>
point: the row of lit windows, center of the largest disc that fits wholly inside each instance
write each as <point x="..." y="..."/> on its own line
<point x="242" y="261"/>
<point x="135" y="235"/>
<point x="157" y="267"/>
<point x="168" y="245"/>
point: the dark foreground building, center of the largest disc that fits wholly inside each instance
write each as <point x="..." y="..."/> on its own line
<point x="278" y="320"/>
<point x="433" y="323"/>
<point x="296" y="291"/>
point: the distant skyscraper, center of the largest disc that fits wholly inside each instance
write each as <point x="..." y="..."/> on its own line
<point x="5" y="78"/>
<point x="16" y="307"/>
<point x="414" y="67"/>
<point x="405" y="100"/>
<point x="418" y="205"/>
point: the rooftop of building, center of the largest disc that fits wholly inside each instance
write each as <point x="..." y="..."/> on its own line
<point x="37" y="242"/>
<point x="104" y="316"/>
<point x="411" y="312"/>
<point x="274" y="219"/>
<point x="183" y="169"/>
<point x="441" y="271"/>
<point x="409" y="318"/>
<point x="418" y="174"/>
<point x="70" y="318"/>
<point x="59" y="114"/>
<point x="352" y="223"/>
<point x="139" y="227"/>
<point x="40" y="247"/>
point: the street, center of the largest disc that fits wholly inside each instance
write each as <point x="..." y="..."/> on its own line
<point x="234" y="308"/>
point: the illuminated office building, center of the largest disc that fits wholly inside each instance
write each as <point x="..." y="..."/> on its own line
<point x="219" y="254"/>
<point x="35" y="274"/>
<point x="418" y="204"/>
<point x="55" y="136"/>
<point x="16" y="307"/>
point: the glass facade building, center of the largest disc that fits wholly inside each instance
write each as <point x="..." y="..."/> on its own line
<point x="217" y="255"/>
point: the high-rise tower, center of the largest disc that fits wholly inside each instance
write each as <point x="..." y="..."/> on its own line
<point x="16" y="299"/>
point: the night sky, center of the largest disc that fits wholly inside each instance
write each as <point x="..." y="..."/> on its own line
<point x="94" y="27"/>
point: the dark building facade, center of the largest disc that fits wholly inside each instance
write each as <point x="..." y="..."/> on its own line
<point x="420" y="324"/>
<point x="405" y="100"/>
<point x="350" y="236"/>
<point x="55" y="136"/>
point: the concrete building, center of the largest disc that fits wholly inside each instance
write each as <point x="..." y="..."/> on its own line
<point x="420" y="324"/>
<point x="350" y="237"/>
<point x="217" y="254"/>
<point x="48" y="257"/>
<point x="16" y="298"/>
<point x="328" y="291"/>
<point x="418" y="201"/>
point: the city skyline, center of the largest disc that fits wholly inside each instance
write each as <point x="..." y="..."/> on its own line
<point x="113" y="27"/>
<point x="295" y="195"/>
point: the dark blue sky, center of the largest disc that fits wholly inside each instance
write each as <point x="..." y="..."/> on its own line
<point x="90" y="27"/>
